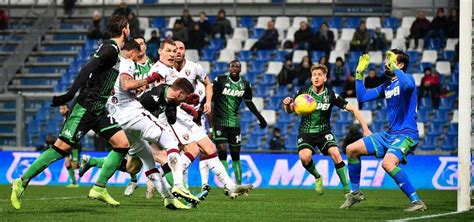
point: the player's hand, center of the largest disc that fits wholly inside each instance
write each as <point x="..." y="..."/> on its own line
<point x="189" y="109"/>
<point x="391" y="60"/>
<point x="364" y="61"/>
<point x="153" y="77"/>
<point x="367" y="132"/>
<point x="287" y="100"/>
<point x="192" y="99"/>
<point x="263" y="123"/>
<point x="207" y="108"/>
<point x="60" y="100"/>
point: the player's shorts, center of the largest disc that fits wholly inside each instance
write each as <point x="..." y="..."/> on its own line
<point x="76" y="152"/>
<point x="230" y="135"/>
<point x="80" y="121"/>
<point x="378" y="144"/>
<point x="322" y="141"/>
<point x="149" y="128"/>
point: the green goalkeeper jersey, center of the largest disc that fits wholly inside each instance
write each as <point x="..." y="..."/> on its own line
<point x="227" y="97"/>
<point x="320" y="119"/>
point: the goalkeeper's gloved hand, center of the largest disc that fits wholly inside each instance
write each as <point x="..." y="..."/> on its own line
<point x="391" y="60"/>
<point x="364" y="61"/>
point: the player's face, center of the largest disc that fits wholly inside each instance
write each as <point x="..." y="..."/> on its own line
<point x="126" y="31"/>
<point x="63" y="110"/>
<point x="318" y="78"/>
<point x="134" y="55"/>
<point x="234" y="69"/>
<point x="180" y="51"/>
<point x="142" y="46"/>
<point x="168" y="54"/>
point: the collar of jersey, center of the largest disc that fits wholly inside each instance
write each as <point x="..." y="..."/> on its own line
<point x="311" y="87"/>
<point x="116" y="44"/>
<point x="166" y="93"/>
<point x="228" y="76"/>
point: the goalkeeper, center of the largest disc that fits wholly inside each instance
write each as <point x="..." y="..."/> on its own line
<point x="315" y="129"/>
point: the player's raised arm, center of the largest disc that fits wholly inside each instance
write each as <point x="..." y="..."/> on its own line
<point x="359" y="118"/>
<point x="209" y="94"/>
<point x="288" y="105"/>
<point x="393" y="60"/>
<point x="249" y="103"/>
<point x="364" y="95"/>
<point x="128" y="83"/>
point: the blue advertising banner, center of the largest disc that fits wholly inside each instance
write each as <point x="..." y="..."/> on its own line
<point x="261" y="170"/>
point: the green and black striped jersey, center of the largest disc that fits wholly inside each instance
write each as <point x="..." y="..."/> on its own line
<point x="95" y="93"/>
<point x="227" y="98"/>
<point x="320" y="119"/>
<point x="141" y="70"/>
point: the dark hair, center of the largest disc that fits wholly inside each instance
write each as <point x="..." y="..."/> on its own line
<point x="340" y="59"/>
<point x="426" y="69"/>
<point x="183" y="84"/>
<point x="402" y="57"/>
<point x="139" y="37"/>
<point x="440" y="10"/>
<point x="116" y="24"/>
<point x="166" y="41"/>
<point x="324" y="23"/>
<point x="131" y="45"/>
<point x="235" y="61"/>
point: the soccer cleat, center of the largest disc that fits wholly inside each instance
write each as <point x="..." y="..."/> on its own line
<point x="185" y="194"/>
<point x="130" y="188"/>
<point x="101" y="194"/>
<point x="17" y="192"/>
<point x="240" y="190"/>
<point x="174" y="204"/>
<point x="72" y="185"/>
<point x="318" y="185"/>
<point x="84" y="165"/>
<point x="352" y="198"/>
<point x="226" y="191"/>
<point x="418" y="205"/>
<point x="202" y="195"/>
<point x="150" y="190"/>
<point x="206" y="187"/>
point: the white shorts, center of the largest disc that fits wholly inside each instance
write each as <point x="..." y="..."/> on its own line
<point x="185" y="129"/>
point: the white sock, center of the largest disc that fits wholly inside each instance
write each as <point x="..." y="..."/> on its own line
<point x="174" y="161"/>
<point x="186" y="161"/>
<point x="204" y="169"/>
<point x="219" y="170"/>
<point x="157" y="180"/>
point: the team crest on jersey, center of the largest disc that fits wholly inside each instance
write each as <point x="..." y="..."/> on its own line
<point x="114" y="100"/>
<point x="219" y="133"/>
<point x="173" y="74"/>
<point x="186" y="137"/>
<point x="187" y="72"/>
<point x="200" y="92"/>
<point x="325" y="99"/>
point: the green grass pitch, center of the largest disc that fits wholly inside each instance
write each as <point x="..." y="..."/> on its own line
<point x="54" y="203"/>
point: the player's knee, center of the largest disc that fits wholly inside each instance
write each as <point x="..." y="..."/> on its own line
<point x="351" y="151"/>
<point x="305" y="158"/>
<point x="388" y="166"/>
<point x="74" y="165"/>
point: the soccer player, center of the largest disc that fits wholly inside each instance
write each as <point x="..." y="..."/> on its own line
<point x="96" y="80"/>
<point x="229" y="90"/>
<point x="71" y="161"/>
<point x="315" y="128"/>
<point x="392" y="145"/>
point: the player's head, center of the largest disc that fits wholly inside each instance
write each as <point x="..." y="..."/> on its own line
<point x="234" y="68"/>
<point x="141" y="41"/>
<point x="181" y="88"/>
<point x="180" y="51"/>
<point x="131" y="50"/>
<point x="118" y="26"/>
<point x="319" y="75"/>
<point x="402" y="62"/>
<point x="167" y="52"/>
<point x="63" y="109"/>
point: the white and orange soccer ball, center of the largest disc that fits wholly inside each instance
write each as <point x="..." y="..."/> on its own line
<point x="304" y="104"/>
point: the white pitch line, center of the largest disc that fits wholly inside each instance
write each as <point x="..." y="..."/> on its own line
<point x="46" y="198"/>
<point x="428" y="216"/>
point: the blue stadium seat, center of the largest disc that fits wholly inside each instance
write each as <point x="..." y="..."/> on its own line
<point x="281" y="91"/>
<point x="316" y="22"/>
<point x="245" y="128"/>
<point x="91" y="45"/>
<point x="257" y="66"/>
<point x="353" y="22"/>
<point x="339" y="130"/>
<point x="429" y="143"/>
<point x="245" y="56"/>
<point x="158" y="22"/>
<point x="337" y="89"/>
<point x="220" y="67"/>
<point x="264" y="55"/>
<point x="216" y="44"/>
<point x="291" y="143"/>
<point x="274" y="103"/>
<point x="246" y="21"/>
<point x="280" y="56"/>
<point x="316" y="55"/>
<point x="284" y="117"/>
<point x="434" y="44"/>
<point x="262" y="91"/>
<point x="149" y="2"/>
<point x="33" y="127"/>
<point x="423" y="115"/>
<point x="283" y="128"/>
<point x="354" y="56"/>
<point x="414" y="57"/>
<point x="452" y="130"/>
<point x="450" y="143"/>
<point x="446" y="104"/>
<point x="208" y="55"/>
<point x="370" y="105"/>
<point x="254" y="142"/>
<point x="447" y="55"/>
<point x="344" y="117"/>
<point x="252" y="77"/>
<point x="247" y="116"/>
<point x="423" y="65"/>
<point x="259" y="131"/>
<point x="435" y="129"/>
<point x="335" y="22"/>
<point x="425" y="103"/>
<point x="390" y="22"/>
<point x="377" y="127"/>
<point x="441" y="116"/>
<point x="381" y="117"/>
<point x="269" y="80"/>
<point x="256" y="33"/>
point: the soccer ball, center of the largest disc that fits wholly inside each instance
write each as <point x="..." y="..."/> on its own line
<point x="304" y="104"/>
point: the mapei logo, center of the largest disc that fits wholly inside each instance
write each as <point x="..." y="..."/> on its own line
<point x="250" y="172"/>
<point x="21" y="163"/>
<point x="446" y="177"/>
<point x="393" y="92"/>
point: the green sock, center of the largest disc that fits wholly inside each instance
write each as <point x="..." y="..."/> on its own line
<point x="237" y="171"/>
<point x="111" y="163"/>
<point x="169" y="178"/>
<point x="72" y="175"/>
<point x="97" y="161"/>
<point x="44" y="160"/>
<point x="311" y="168"/>
<point x="226" y="165"/>
<point x="341" y="170"/>
<point x="133" y="177"/>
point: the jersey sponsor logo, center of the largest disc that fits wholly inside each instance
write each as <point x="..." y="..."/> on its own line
<point x="21" y="162"/>
<point x="233" y="92"/>
<point x="393" y="92"/>
<point x="250" y="172"/>
<point x="323" y="106"/>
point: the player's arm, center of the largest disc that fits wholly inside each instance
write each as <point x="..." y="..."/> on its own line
<point x="288" y="105"/>
<point x="359" y="118"/>
<point x="249" y="103"/>
<point x="406" y="82"/>
<point x="128" y="83"/>
<point x="362" y="94"/>
<point x="209" y="93"/>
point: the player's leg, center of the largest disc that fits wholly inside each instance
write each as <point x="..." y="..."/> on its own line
<point x="341" y="168"/>
<point x="204" y="169"/>
<point x="133" y="166"/>
<point x="234" y="138"/>
<point x="306" y="143"/>
<point x="220" y="139"/>
<point x="70" y="170"/>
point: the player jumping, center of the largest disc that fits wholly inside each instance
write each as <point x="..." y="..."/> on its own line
<point x="402" y="136"/>
<point x="315" y="128"/>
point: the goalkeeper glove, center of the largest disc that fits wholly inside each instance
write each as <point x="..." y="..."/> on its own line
<point x="364" y="61"/>
<point x="391" y="60"/>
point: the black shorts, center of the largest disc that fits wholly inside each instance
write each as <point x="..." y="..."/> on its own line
<point x="230" y="135"/>
<point x="80" y="121"/>
<point x="322" y="140"/>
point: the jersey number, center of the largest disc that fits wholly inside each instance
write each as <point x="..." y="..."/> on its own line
<point x="329" y="137"/>
<point x="238" y="138"/>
